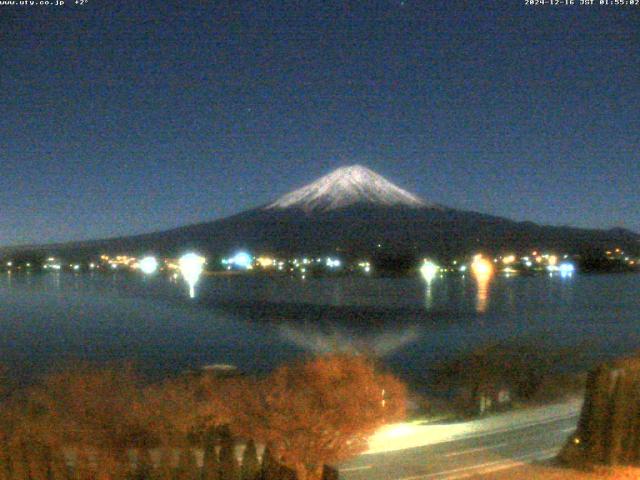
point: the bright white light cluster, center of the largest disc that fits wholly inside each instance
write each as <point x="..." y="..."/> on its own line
<point x="191" y="266"/>
<point x="429" y="270"/>
<point x="333" y="262"/>
<point x="241" y="260"/>
<point x="566" y="269"/>
<point x="148" y="265"/>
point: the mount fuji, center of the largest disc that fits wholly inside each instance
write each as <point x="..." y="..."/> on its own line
<point x="354" y="211"/>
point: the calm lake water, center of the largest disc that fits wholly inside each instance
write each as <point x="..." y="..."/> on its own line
<point x="256" y="322"/>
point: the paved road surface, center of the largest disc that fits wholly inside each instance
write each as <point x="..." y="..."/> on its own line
<point x="476" y="454"/>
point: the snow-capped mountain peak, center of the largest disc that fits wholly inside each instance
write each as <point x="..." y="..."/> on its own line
<point x="344" y="187"/>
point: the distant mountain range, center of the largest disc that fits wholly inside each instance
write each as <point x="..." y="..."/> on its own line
<point x="355" y="211"/>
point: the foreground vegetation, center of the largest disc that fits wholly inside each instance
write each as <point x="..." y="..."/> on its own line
<point x="107" y="423"/>
<point x="526" y="373"/>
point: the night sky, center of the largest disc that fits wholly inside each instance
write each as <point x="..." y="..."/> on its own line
<point x="128" y="117"/>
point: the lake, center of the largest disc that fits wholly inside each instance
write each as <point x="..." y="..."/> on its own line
<point x="258" y="322"/>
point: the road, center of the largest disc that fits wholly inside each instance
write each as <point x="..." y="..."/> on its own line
<point x="475" y="454"/>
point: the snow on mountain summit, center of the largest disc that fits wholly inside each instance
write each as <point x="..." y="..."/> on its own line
<point x="344" y="187"/>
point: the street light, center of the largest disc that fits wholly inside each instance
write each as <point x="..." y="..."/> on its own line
<point x="191" y="266"/>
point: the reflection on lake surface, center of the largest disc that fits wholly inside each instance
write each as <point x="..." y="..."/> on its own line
<point x="482" y="270"/>
<point x="258" y="322"/>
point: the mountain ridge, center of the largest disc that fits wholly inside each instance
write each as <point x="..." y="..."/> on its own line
<point x="355" y="211"/>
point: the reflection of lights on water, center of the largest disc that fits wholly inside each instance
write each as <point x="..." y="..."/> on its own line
<point x="191" y="266"/>
<point x="566" y="269"/>
<point x="336" y="339"/>
<point x="482" y="270"/>
<point x="149" y="265"/>
<point x="509" y="271"/>
<point x="429" y="270"/>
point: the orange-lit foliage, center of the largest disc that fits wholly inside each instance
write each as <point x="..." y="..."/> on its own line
<point x="312" y="413"/>
<point x="185" y="407"/>
<point x="85" y="409"/>
<point x="320" y="411"/>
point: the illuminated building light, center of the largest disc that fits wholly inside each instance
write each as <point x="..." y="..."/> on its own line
<point x="463" y="268"/>
<point x="242" y="260"/>
<point x="171" y="265"/>
<point x="528" y="263"/>
<point x="148" y="265"/>
<point x="429" y="270"/>
<point x="509" y="259"/>
<point x="481" y="267"/>
<point x="266" y="262"/>
<point x="333" y="263"/>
